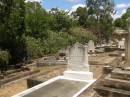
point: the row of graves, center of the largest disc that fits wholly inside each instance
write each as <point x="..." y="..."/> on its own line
<point x="116" y="82"/>
<point x="62" y="56"/>
<point x="77" y="78"/>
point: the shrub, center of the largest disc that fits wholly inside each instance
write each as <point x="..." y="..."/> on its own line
<point x="4" y="60"/>
<point x="34" y="48"/>
<point x="81" y="34"/>
<point x="56" y="41"/>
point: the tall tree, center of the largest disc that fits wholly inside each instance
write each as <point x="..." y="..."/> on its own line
<point x="80" y="15"/>
<point x="13" y="28"/>
<point x="37" y="20"/>
<point x="61" y="20"/>
<point x="5" y="10"/>
<point x="99" y="17"/>
<point x="122" y="22"/>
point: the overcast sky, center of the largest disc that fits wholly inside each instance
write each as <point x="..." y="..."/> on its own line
<point x="120" y="5"/>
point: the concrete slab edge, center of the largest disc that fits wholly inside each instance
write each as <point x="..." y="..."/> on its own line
<point x="66" y="78"/>
<point x="90" y="82"/>
<point x="37" y="87"/>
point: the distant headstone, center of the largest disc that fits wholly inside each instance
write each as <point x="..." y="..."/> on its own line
<point x="91" y="46"/>
<point x="110" y="42"/>
<point x="121" y="44"/>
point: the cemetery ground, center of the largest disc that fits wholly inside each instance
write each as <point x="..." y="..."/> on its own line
<point x="46" y="72"/>
<point x="17" y="86"/>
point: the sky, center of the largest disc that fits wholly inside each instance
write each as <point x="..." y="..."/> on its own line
<point x="120" y="5"/>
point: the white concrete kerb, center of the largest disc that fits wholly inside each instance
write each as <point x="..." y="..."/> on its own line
<point x="88" y="83"/>
<point x="83" y="89"/>
<point x="37" y="87"/>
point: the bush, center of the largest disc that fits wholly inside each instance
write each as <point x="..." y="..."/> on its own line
<point x="81" y="34"/>
<point x="4" y="60"/>
<point x="34" y="48"/>
<point x="56" y="41"/>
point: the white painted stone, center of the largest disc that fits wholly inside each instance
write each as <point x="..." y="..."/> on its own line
<point x="78" y="67"/>
<point x="78" y="75"/>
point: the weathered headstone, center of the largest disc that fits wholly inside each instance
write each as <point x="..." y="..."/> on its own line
<point x="91" y="46"/>
<point x="78" y="66"/>
<point x="121" y="44"/>
<point x="78" y="60"/>
<point x="110" y="43"/>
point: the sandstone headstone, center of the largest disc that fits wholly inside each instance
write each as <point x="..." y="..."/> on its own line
<point x="91" y="46"/>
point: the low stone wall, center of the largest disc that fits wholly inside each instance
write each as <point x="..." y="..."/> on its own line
<point x="7" y="80"/>
<point x="32" y="82"/>
<point x="40" y="64"/>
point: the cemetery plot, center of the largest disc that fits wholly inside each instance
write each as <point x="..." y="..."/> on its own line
<point x="59" y="88"/>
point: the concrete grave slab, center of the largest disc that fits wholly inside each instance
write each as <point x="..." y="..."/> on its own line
<point x="57" y="87"/>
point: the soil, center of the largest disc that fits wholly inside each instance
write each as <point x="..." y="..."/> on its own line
<point x="14" y="88"/>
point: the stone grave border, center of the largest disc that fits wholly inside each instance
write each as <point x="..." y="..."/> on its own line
<point x="90" y="82"/>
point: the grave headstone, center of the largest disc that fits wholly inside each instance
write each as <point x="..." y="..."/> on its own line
<point x="78" y="66"/>
<point x="91" y="46"/>
<point x="77" y="58"/>
<point x="121" y="44"/>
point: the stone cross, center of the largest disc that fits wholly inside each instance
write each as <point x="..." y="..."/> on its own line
<point x="78" y="58"/>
